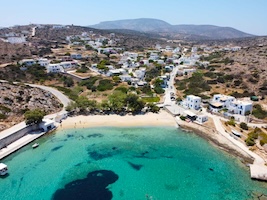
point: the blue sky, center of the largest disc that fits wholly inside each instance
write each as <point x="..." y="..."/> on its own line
<point x="246" y="15"/>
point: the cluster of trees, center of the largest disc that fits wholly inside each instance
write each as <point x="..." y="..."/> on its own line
<point x="196" y="84"/>
<point x="117" y="102"/>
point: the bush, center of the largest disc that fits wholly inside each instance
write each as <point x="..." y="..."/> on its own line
<point x="83" y="69"/>
<point x="122" y="89"/>
<point x="89" y="83"/>
<point x="105" y="85"/>
<point x="250" y="142"/>
<point x="231" y="122"/>
<point x="153" y="108"/>
<point x="183" y="118"/>
<point x="2" y="116"/>
<point x="258" y="112"/>
<point x="252" y="136"/>
<point x="159" y="90"/>
<point x="244" y="126"/>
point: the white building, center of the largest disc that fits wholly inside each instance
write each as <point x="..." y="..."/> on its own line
<point x="192" y="102"/>
<point x="27" y="62"/>
<point x="43" y="62"/>
<point x="202" y="118"/>
<point x="16" y="40"/>
<point x="47" y="125"/>
<point x="230" y="103"/>
<point x="240" y="107"/>
<point x="125" y="78"/>
<point x="67" y="65"/>
<point x="54" y="68"/>
<point x="76" y="56"/>
<point x="140" y="74"/>
<point x="223" y="99"/>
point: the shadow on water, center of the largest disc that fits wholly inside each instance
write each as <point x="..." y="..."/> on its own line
<point x="57" y="148"/>
<point x="4" y="176"/>
<point x="95" y="135"/>
<point x="135" y="166"/>
<point x="99" y="156"/>
<point x="101" y="153"/>
<point x="93" y="187"/>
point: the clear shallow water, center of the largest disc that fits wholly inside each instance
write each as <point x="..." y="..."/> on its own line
<point x="160" y="163"/>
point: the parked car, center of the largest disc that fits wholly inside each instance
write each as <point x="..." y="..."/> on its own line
<point x="173" y="98"/>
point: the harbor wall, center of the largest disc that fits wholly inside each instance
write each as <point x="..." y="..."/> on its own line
<point x="16" y="135"/>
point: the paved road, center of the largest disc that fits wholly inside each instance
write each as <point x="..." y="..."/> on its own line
<point x="171" y="88"/>
<point x="221" y="130"/>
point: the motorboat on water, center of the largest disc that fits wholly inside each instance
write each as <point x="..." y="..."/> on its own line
<point x="3" y="169"/>
<point x="35" y="145"/>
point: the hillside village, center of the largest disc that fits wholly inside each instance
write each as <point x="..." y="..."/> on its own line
<point x="103" y="76"/>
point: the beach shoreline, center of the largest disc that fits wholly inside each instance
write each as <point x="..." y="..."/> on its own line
<point x="219" y="142"/>
<point x="162" y="118"/>
<point x="149" y="119"/>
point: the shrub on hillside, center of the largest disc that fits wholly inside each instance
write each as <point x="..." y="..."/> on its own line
<point x="244" y="126"/>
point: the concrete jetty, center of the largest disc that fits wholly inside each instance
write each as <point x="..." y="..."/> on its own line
<point x="11" y="148"/>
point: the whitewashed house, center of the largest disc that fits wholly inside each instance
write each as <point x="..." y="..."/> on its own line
<point x="192" y="102"/>
<point x="159" y="61"/>
<point x="125" y="78"/>
<point x="54" y="68"/>
<point x="27" y="62"/>
<point x="140" y="74"/>
<point x="67" y="65"/>
<point x="236" y="48"/>
<point x="76" y="56"/>
<point x="43" y="62"/>
<point x="116" y="72"/>
<point x="144" y="62"/>
<point x="176" y="50"/>
<point x="202" y="118"/>
<point x="153" y="56"/>
<point x="220" y="102"/>
<point x="16" y="40"/>
<point x="225" y="100"/>
<point x="240" y="107"/>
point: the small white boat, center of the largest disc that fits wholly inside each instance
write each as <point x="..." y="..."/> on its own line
<point x="3" y="169"/>
<point x="35" y="145"/>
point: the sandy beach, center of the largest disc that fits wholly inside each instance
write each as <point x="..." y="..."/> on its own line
<point x="150" y="119"/>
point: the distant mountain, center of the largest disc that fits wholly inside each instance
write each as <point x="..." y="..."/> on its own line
<point x="175" y="31"/>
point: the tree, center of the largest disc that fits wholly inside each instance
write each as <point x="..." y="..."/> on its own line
<point x="105" y="105"/>
<point x="153" y="108"/>
<point x="134" y="103"/>
<point x="34" y="116"/>
<point x="68" y="82"/>
<point x="83" y="103"/>
<point x="117" y="100"/>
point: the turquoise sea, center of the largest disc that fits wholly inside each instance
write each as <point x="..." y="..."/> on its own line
<point x="135" y="163"/>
